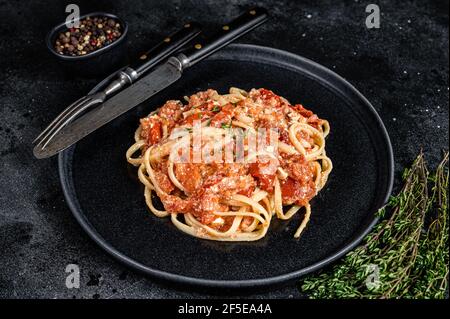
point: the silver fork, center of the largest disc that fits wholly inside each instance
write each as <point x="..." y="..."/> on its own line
<point x="124" y="77"/>
<point x="70" y="113"/>
<point x="77" y="107"/>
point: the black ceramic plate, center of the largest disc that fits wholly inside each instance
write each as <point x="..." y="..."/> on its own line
<point x="108" y="201"/>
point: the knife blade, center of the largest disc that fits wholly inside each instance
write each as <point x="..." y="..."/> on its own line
<point x="160" y="78"/>
<point x="149" y="85"/>
<point x="120" y="79"/>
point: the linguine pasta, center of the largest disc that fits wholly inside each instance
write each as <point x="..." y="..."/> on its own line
<point x="224" y="165"/>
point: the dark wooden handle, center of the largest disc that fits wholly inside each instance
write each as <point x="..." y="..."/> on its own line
<point x="228" y="33"/>
<point x="165" y="48"/>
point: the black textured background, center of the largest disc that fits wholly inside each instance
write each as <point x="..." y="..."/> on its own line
<point x="402" y="68"/>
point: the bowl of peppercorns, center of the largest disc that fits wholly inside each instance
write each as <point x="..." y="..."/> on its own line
<point x="96" y="46"/>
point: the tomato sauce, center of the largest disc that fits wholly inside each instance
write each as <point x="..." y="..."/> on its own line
<point x="209" y="186"/>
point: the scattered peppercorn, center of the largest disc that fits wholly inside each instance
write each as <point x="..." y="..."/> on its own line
<point x="92" y="34"/>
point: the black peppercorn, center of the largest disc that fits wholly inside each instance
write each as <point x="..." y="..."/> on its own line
<point x="92" y="34"/>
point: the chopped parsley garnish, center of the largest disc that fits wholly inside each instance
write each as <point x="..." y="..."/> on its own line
<point x="226" y="125"/>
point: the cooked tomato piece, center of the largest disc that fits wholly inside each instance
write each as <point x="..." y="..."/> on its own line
<point x="284" y="136"/>
<point x="248" y="191"/>
<point x="223" y="117"/>
<point x="151" y="130"/>
<point x="171" y="110"/>
<point x="288" y="190"/>
<point x="293" y="191"/>
<point x="298" y="168"/>
<point x="192" y="118"/>
<point x="299" y="187"/>
<point x="204" y="206"/>
<point x="199" y="98"/>
<point x="188" y="174"/>
<point x="155" y="133"/>
<point x="175" y="204"/>
<point x="271" y="97"/>
<point x="314" y="121"/>
<point x="301" y="109"/>
<point x="164" y="182"/>
<point x="264" y="172"/>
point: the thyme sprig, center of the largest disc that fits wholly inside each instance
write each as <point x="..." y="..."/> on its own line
<point x="405" y="255"/>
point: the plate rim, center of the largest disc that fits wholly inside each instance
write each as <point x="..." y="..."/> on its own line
<point x="246" y="283"/>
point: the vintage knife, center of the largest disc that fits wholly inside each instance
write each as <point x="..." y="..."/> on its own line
<point x="162" y="76"/>
<point x="119" y="80"/>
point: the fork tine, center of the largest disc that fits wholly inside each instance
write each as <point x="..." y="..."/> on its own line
<point x="95" y="99"/>
<point x="62" y="114"/>
<point x="61" y="119"/>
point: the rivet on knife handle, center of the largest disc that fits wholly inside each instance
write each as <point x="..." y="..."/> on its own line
<point x="166" y="47"/>
<point x="228" y="33"/>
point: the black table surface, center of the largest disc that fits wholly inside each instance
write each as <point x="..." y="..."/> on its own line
<point x="402" y="68"/>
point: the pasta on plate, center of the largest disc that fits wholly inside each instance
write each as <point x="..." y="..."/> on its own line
<point x="224" y="165"/>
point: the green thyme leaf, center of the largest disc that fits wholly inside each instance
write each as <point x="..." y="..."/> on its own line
<point x="404" y="256"/>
